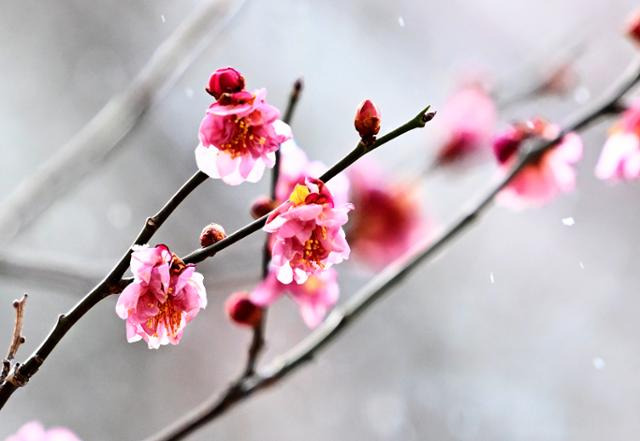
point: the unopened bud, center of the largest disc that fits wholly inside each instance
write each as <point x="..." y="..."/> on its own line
<point x="633" y="27"/>
<point x="211" y="234"/>
<point x="242" y="310"/>
<point x="225" y="80"/>
<point x="507" y="144"/>
<point x="367" y="120"/>
<point x="262" y="206"/>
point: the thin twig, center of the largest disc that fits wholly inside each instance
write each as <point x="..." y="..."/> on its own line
<point x="104" y="132"/>
<point x="16" y="338"/>
<point x="113" y="283"/>
<point x="346" y="314"/>
<point x="418" y="121"/>
<point x="258" y="338"/>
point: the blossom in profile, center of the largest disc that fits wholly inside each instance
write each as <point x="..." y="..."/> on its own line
<point x="389" y="218"/>
<point x="551" y="173"/>
<point x="165" y="295"/>
<point x="466" y="120"/>
<point x="34" y="431"/>
<point x="307" y="232"/>
<point x="315" y="297"/>
<point x="620" y="157"/>
<point x="239" y="136"/>
<point x="295" y="168"/>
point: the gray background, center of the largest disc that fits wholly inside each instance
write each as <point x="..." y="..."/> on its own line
<point x="549" y="351"/>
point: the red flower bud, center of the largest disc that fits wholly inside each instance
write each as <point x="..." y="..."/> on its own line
<point x="633" y="27"/>
<point x="225" y="80"/>
<point x="367" y="120"/>
<point x="242" y="310"/>
<point x="211" y="234"/>
<point x="507" y="144"/>
<point x="262" y="206"/>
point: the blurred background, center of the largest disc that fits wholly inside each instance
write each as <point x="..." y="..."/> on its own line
<point x="524" y="329"/>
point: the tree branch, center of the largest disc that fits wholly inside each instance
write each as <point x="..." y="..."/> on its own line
<point x="113" y="283"/>
<point x="99" y="137"/>
<point x="346" y="314"/>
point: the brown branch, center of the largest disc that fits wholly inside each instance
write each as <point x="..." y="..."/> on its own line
<point x="104" y="132"/>
<point x="16" y="339"/>
<point x="113" y="283"/>
<point x="418" y="121"/>
<point x="258" y="338"/>
<point x="346" y="314"/>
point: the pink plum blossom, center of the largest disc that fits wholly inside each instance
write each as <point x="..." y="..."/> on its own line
<point x="307" y="232"/>
<point x="467" y="121"/>
<point x="388" y="220"/>
<point x="295" y="168"/>
<point x="239" y="136"/>
<point x="315" y="297"/>
<point x="620" y="157"/>
<point x="165" y="295"/>
<point x="34" y="431"/>
<point x="553" y="172"/>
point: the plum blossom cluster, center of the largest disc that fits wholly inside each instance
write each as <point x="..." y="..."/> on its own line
<point x="239" y="136"/>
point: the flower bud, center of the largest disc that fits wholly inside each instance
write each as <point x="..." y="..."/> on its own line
<point x="633" y="27"/>
<point x="367" y="120"/>
<point x="211" y="234"/>
<point x="225" y="80"/>
<point x="262" y="206"/>
<point x="507" y="144"/>
<point x="242" y="310"/>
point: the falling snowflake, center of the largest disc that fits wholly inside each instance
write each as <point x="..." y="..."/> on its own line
<point x="401" y="21"/>
<point x="568" y="221"/>
<point x="598" y="363"/>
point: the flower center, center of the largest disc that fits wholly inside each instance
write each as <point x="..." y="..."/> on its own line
<point x="314" y="252"/>
<point x="241" y="138"/>
<point x="299" y="194"/>
<point x="169" y="316"/>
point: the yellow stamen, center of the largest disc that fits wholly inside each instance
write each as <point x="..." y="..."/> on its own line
<point x="299" y="194"/>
